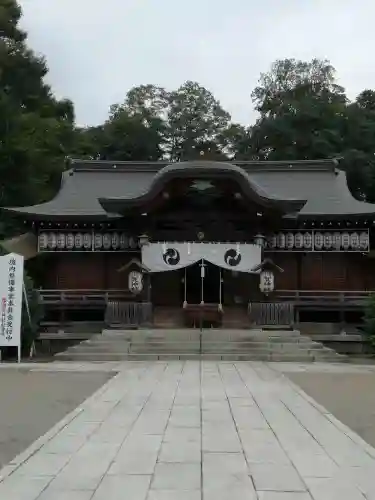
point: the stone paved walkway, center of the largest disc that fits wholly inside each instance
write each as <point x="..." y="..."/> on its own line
<point x="191" y="431"/>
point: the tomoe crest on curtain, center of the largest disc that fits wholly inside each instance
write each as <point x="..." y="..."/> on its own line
<point x="166" y="256"/>
<point x="171" y="257"/>
<point x="232" y="257"/>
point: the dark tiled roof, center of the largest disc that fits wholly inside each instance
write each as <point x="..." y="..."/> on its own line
<point x="320" y="183"/>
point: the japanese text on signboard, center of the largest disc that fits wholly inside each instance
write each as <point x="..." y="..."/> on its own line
<point x="10" y="301"/>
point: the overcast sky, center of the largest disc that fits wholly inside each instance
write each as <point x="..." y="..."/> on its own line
<point x="98" y="49"/>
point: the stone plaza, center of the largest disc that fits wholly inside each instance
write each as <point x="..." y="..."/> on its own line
<point x="195" y="430"/>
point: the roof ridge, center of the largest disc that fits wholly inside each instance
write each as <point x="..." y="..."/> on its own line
<point x="155" y="166"/>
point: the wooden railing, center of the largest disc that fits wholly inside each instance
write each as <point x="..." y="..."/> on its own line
<point x="298" y="297"/>
<point x="128" y="313"/>
<point x="324" y="298"/>
<point x="271" y="313"/>
<point x="82" y="297"/>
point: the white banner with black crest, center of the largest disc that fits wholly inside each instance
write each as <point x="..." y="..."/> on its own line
<point x="169" y="256"/>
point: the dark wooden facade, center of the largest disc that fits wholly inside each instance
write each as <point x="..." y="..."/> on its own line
<point x="325" y="271"/>
<point x="92" y="237"/>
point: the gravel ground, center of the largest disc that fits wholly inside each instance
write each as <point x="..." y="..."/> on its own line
<point x="350" y="397"/>
<point x="32" y="402"/>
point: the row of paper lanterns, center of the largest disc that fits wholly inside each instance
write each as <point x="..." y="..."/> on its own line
<point x="87" y="241"/>
<point x="336" y="240"/>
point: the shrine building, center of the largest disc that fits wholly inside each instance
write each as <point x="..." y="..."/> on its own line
<point x="203" y="243"/>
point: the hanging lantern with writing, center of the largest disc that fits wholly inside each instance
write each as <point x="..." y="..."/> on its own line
<point x="52" y="240"/>
<point x="115" y="241"/>
<point x="267" y="282"/>
<point x="364" y="241"/>
<point x="318" y="241"/>
<point x="78" y="241"/>
<point x="107" y="241"/>
<point x="298" y="241"/>
<point x="60" y="241"/>
<point x="289" y="241"/>
<point x="70" y="241"/>
<point x="135" y="282"/>
<point x="43" y="241"/>
<point x="87" y="241"/>
<point x="98" y="241"/>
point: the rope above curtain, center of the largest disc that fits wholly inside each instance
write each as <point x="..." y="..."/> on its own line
<point x="170" y="256"/>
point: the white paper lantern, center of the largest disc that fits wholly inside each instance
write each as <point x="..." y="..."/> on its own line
<point x="318" y="241"/>
<point x="280" y="240"/>
<point x="267" y="282"/>
<point x="364" y="240"/>
<point x="135" y="282"/>
<point x="298" y="241"/>
<point x="307" y="241"/>
<point x="289" y="240"/>
<point x="87" y="241"/>
<point x="98" y="241"/>
<point x="70" y="241"/>
<point x="124" y="241"/>
<point x="78" y="241"/>
<point x="115" y="241"/>
<point x="271" y="242"/>
<point x="52" y="241"/>
<point x="354" y="241"/>
<point x="60" y="241"/>
<point x="345" y="241"/>
<point x="327" y="240"/>
<point x="336" y="240"/>
<point x="43" y="241"/>
<point x="107" y="241"/>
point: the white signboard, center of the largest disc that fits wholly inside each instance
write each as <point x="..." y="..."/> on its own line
<point x="11" y="284"/>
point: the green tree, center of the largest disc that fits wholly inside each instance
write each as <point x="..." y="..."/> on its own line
<point x="184" y="122"/>
<point x="36" y="130"/>
<point x="32" y="314"/>
<point x="301" y="112"/>
<point x="358" y="155"/>
<point x="123" y="137"/>
<point x="195" y="118"/>
<point x="276" y="89"/>
<point x="369" y="319"/>
<point x="148" y="101"/>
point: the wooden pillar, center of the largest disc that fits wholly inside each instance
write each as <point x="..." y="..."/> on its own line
<point x="299" y="258"/>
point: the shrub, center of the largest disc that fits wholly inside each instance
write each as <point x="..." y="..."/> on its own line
<point x="369" y="319"/>
<point x="30" y="324"/>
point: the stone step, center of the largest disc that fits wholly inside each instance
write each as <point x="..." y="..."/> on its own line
<point x="159" y="341"/>
<point x="196" y="347"/>
<point x="195" y="336"/>
<point x="67" y="356"/>
<point x="190" y="348"/>
<point x="256" y="344"/>
<point x="195" y="331"/>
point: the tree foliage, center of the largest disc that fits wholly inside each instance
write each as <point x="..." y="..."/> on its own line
<point x="36" y="130"/>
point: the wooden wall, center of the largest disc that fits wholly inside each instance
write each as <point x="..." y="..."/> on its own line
<point x="324" y="271"/>
<point x="88" y="271"/>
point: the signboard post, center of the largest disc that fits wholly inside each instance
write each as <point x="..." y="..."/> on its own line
<point x="11" y="287"/>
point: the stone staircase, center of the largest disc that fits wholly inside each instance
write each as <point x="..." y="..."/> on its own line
<point x="184" y="344"/>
